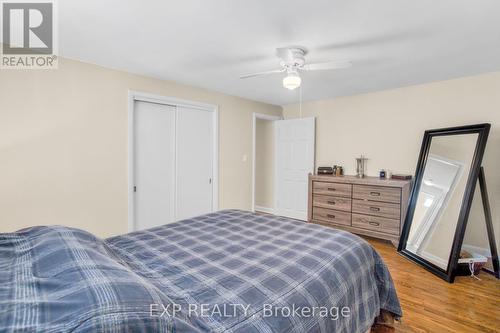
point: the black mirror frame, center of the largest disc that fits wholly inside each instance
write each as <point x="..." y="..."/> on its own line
<point x="482" y="130"/>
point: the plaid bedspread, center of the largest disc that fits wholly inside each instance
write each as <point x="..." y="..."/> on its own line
<point x="230" y="271"/>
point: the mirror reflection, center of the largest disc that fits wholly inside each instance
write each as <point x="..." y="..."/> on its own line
<point x="440" y="197"/>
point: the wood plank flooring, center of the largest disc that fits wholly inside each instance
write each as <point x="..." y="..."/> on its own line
<point x="433" y="305"/>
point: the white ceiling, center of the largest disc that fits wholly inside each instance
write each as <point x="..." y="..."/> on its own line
<point x="203" y="43"/>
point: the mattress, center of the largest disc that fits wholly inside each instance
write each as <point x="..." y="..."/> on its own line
<point x="229" y="271"/>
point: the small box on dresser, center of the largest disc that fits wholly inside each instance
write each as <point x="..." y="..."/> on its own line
<point x="368" y="206"/>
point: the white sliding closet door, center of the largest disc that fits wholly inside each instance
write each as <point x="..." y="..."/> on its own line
<point x="154" y="164"/>
<point x="294" y="161"/>
<point x="194" y="162"/>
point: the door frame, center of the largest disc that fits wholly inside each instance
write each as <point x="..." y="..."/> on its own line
<point x="134" y="96"/>
<point x="256" y="116"/>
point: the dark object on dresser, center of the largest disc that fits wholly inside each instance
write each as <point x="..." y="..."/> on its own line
<point x="325" y="170"/>
<point x="401" y="177"/>
<point x="367" y="206"/>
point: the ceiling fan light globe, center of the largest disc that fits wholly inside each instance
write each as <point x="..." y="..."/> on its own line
<point x="292" y="81"/>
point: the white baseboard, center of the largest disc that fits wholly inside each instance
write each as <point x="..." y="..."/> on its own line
<point x="411" y="247"/>
<point x="434" y="259"/>
<point x="441" y="262"/>
<point x="264" y="209"/>
<point x="470" y="248"/>
<point x="476" y="249"/>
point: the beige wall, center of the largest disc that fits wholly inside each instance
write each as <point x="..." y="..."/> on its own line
<point x="63" y="145"/>
<point x="264" y="163"/>
<point x="63" y="140"/>
<point x="388" y="126"/>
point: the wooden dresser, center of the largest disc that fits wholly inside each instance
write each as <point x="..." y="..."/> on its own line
<point x="367" y="206"/>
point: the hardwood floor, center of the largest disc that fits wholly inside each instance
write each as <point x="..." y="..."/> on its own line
<point x="433" y="305"/>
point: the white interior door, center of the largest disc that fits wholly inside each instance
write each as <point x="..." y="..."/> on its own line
<point x="194" y="162"/>
<point x="154" y="164"/>
<point x="294" y="161"/>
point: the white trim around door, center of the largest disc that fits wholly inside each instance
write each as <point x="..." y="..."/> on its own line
<point x="254" y="130"/>
<point x="172" y="101"/>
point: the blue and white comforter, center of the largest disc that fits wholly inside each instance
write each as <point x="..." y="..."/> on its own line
<point x="230" y="271"/>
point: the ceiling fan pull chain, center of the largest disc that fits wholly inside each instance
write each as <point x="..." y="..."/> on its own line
<point x="300" y="101"/>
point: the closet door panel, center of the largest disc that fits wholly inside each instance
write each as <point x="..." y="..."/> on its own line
<point x="154" y="164"/>
<point x="194" y="162"/>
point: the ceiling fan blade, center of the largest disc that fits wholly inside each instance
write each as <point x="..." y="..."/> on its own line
<point x="246" y="76"/>
<point x="327" y="65"/>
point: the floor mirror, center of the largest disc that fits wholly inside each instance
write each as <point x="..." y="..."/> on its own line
<point x="447" y="172"/>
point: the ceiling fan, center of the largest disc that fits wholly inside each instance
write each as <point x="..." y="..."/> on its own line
<point x="292" y="61"/>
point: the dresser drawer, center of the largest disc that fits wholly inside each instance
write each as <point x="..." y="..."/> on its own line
<point x="331" y="216"/>
<point x="382" y="209"/>
<point x="336" y="189"/>
<point x="327" y="201"/>
<point x="376" y="223"/>
<point x="377" y="193"/>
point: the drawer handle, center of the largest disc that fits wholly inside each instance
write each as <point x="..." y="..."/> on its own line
<point x="375" y="209"/>
<point x="374" y="223"/>
<point x="332" y="189"/>
<point x="331" y="202"/>
<point x="330" y="216"/>
<point x="376" y="194"/>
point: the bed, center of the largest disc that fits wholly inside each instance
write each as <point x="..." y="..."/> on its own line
<point x="229" y="271"/>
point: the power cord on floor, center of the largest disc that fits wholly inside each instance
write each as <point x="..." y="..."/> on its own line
<point x="471" y="268"/>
